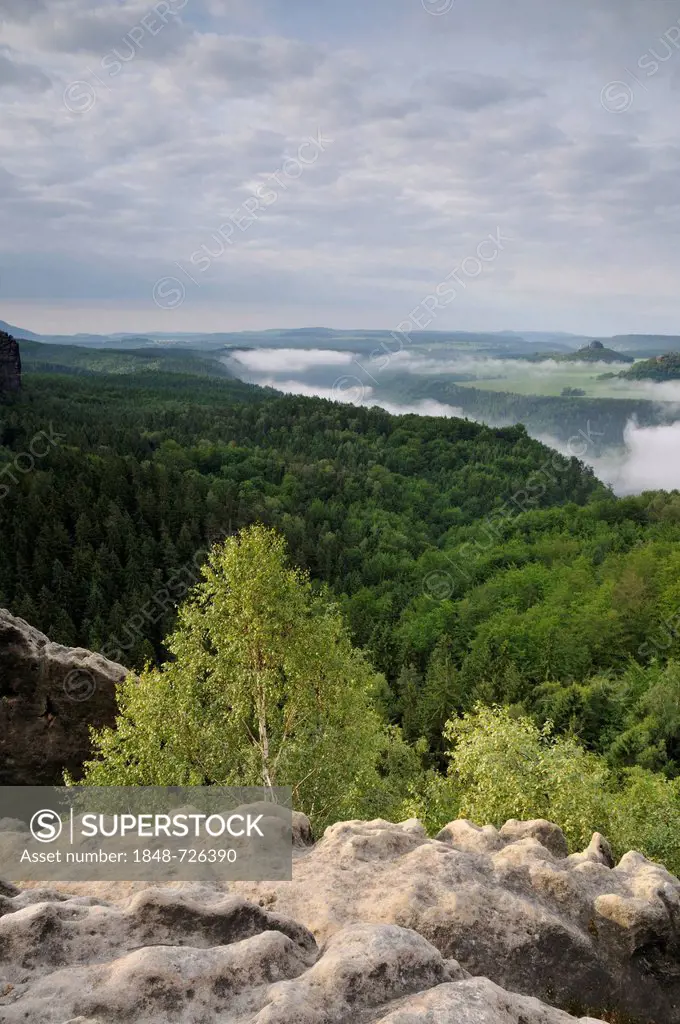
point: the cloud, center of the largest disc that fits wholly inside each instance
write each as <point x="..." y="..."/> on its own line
<point x="288" y="360"/>
<point x="648" y="460"/>
<point x="132" y="170"/>
<point x="252" y="66"/>
<point x="351" y="391"/>
<point x="20" y="10"/>
<point x="651" y="460"/>
<point x="427" y="407"/>
<point x="25" y="76"/>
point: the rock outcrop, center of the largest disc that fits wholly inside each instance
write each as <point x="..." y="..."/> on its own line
<point x="191" y="957"/>
<point x="510" y="905"/>
<point x="380" y="924"/>
<point x="49" y="696"/>
<point x="10" y="364"/>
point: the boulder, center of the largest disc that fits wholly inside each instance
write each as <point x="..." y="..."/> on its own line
<point x="49" y="697"/>
<point x="380" y="922"/>
<point x="548" y="835"/>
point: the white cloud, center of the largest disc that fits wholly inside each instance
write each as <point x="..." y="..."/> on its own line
<point x="427" y="407"/>
<point x="648" y="460"/>
<point x="424" y="162"/>
<point x="288" y="360"/>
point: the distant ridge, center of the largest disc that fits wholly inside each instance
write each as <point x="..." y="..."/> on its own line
<point x="18" y="332"/>
<point x="539" y="344"/>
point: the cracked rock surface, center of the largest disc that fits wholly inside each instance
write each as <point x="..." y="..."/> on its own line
<point x="380" y="923"/>
<point x="196" y="955"/>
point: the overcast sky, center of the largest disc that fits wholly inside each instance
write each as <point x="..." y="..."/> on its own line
<point x="354" y="154"/>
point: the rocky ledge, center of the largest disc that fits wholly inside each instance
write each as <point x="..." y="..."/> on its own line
<point x="380" y="924"/>
<point x="49" y="697"/>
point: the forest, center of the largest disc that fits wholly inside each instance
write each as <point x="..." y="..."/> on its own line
<point x="659" y="368"/>
<point x="474" y="568"/>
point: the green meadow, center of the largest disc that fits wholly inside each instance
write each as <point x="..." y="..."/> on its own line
<point x="530" y="380"/>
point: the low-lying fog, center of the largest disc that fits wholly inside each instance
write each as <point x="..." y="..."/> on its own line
<point x="649" y="459"/>
<point x="647" y="462"/>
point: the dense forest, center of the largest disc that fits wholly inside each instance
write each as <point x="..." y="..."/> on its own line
<point x="473" y="566"/>
<point x="49" y="358"/>
<point x="143" y="475"/>
<point x="666" y="367"/>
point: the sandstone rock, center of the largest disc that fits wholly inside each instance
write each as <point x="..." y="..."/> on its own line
<point x="10" y="364"/>
<point x="570" y="931"/>
<point x="464" y="835"/>
<point x="548" y="835"/>
<point x="477" y="1001"/>
<point x="377" y="898"/>
<point x="215" y="958"/>
<point x="49" y="696"/>
<point x="361" y="966"/>
<point x="597" y="852"/>
<point x="302" y="830"/>
<point x="13" y="825"/>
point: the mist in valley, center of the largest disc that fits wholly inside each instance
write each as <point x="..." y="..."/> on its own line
<point x="646" y="460"/>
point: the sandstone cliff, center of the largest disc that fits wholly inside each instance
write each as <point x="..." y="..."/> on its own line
<point x="49" y="696"/>
<point x="380" y="924"/>
<point x="10" y="364"/>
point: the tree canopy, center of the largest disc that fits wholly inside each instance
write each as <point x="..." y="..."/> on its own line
<point x="264" y="689"/>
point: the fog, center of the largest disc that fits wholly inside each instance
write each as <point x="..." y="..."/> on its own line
<point x="473" y="364"/>
<point x="426" y="407"/>
<point x="648" y="461"/>
<point x="288" y="360"/>
<point x="353" y="392"/>
<point x="253" y="364"/>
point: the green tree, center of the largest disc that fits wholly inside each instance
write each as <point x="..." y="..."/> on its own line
<point x="506" y="767"/>
<point x="265" y="689"/>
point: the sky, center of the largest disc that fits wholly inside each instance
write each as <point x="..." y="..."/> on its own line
<point x="218" y="165"/>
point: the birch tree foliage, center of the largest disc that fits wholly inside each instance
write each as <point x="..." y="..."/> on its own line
<point x="264" y="688"/>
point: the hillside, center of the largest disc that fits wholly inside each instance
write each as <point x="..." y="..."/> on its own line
<point x="567" y="419"/>
<point x="485" y="634"/>
<point x="448" y="543"/>
<point x="38" y="357"/>
<point x="164" y="462"/>
<point x="659" y="368"/>
<point x="644" y="345"/>
<point x="596" y="352"/>
<point x="17" y="332"/>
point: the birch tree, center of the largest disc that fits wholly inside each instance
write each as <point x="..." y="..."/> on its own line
<point x="264" y="688"/>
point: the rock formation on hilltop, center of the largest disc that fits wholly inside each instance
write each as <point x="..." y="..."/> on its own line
<point x="49" y="696"/>
<point x="598" y="353"/>
<point x="380" y="924"/>
<point x="10" y="364"/>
